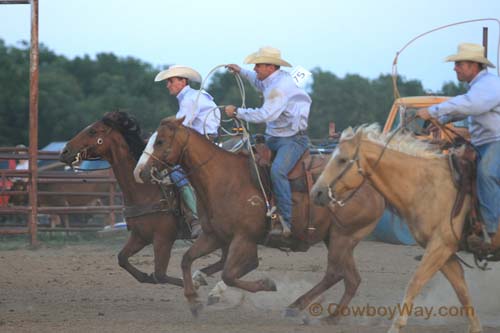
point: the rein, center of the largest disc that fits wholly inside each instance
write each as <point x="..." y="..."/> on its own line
<point x="361" y="172"/>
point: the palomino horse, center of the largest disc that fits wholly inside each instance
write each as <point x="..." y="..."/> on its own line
<point x="415" y="179"/>
<point x="234" y="215"/>
<point x="116" y="138"/>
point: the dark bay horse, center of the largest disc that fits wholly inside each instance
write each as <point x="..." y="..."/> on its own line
<point x="233" y="215"/>
<point x="116" y="138"/>
<point x="415" y="178"/>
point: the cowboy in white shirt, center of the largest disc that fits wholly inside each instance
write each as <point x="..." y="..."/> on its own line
<point x="201" y="114"/>
<point x="481" y="106"/>
<point x="285" y="112"/>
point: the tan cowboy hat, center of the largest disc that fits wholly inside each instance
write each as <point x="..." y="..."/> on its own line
<point x="470" y="52"/>
<point x="266" y="55"/>
<point x="179" y="71"/>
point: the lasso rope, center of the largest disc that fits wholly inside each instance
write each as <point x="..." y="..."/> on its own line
<point x="239" y="124"/>
<point x="394" y="63"/>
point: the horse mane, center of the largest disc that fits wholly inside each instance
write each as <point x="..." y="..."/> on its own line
<point x="404" y="142"/>
<point x="129" y="128"/>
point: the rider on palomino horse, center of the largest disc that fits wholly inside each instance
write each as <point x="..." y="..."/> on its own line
<point x="285" y="112"/>
<point x="201" y="114"/>
<point x="481" y="105"/>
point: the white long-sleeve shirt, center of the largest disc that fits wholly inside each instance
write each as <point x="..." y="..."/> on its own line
<point x="286" y="107"/>
<point x="481" y="104"/>
<point x="203" y="117"/>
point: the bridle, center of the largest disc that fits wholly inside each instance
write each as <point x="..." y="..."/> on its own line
<point x="84" y="152"/>
<point x="347" y="167"/>
<point x="366" y="175"/>
<point x="170" y="166"/>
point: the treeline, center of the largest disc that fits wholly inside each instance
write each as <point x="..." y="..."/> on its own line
<point x="76" y="92"/>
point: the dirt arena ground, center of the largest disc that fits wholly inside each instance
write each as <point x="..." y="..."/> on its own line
<point x="80" y="288"/>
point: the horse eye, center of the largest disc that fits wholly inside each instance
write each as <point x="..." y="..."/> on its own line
<point x="92" y="131"/>
<point x="158" y="142"/>
<point x="342" y="160"/>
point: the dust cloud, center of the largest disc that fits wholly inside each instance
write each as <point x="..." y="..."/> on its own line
<point x="484" y="288"/>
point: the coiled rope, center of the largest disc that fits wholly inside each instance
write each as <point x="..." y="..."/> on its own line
<point x="245" y="140"/>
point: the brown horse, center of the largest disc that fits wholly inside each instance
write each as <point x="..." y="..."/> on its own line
<point x="116" y="138"/>
<point x="233" y="215"/>
<point x="415" y="179"/>
<point x="62" y="200"/>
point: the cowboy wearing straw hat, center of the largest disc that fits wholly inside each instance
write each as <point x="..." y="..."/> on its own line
<point x="201" y="114"/>
<point x="285" y="112"/>
<point x="481" y="105"/>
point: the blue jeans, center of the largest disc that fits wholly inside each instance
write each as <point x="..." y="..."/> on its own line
<point x="488" y="184"/>
<point x="288" y="151"/>
<point x="178" y="176"/>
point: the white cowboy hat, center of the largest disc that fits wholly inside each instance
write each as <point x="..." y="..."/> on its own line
<point x="179" y="71"/>
<point x="470" y="52"/>
<point x="266" y="55"/>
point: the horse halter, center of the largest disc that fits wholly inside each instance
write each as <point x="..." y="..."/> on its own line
<point x="347" y="167"/>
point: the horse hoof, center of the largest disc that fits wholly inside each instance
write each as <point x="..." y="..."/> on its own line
<point x="393" y="329"/>
<point x="199" y="280"/>
<point x="149" y="279"/>
<point x="330" y="320"/>
<point x="211" y="300"/>
<point x="291" y="312"/>
<point x="196" y="308"/>
<point x="269" y="285"/>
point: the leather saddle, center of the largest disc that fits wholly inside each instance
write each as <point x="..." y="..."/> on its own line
<point x="301" y="177"/>
<point x="462" y="161"/>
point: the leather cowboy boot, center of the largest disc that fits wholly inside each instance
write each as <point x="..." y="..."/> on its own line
<point x="191" y="216"/>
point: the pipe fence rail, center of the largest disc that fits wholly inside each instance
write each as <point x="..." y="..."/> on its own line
<point x="68" y="186"/>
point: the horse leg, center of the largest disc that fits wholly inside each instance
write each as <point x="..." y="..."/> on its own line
<point x="454" y="272"/>
<point x="203" y="245"/>
<point x="217" y="266"/>
<point x="241" y="259"/>
<point x="340" y="265"/>
<point x="162" y="248"/>
<point x="352" y="280"/>
<point x="217" y="292"/>
<point x="199" y="277"/>
<point x="435" y="256"/>
<point x="134" y="244"/>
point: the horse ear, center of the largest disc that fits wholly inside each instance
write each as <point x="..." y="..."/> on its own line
<point x="180" y="121"/>
<point x="347" y="133"/>
<point x="172" y="120"/>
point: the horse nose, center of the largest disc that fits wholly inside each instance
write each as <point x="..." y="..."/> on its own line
<point x="143" y="175"/>
<point x="64" y="155"/>
<point x="319" y="197"/>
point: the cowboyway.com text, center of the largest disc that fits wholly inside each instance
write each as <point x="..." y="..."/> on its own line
<point x="368" y="310"/>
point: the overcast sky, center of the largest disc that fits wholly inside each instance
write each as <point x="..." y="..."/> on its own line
<point x="350" y="36"/>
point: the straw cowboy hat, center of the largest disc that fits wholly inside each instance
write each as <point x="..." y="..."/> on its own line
<point x="179" y="71"/>
<point x="470" y="52"/>
<point x="266" y="55"/>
